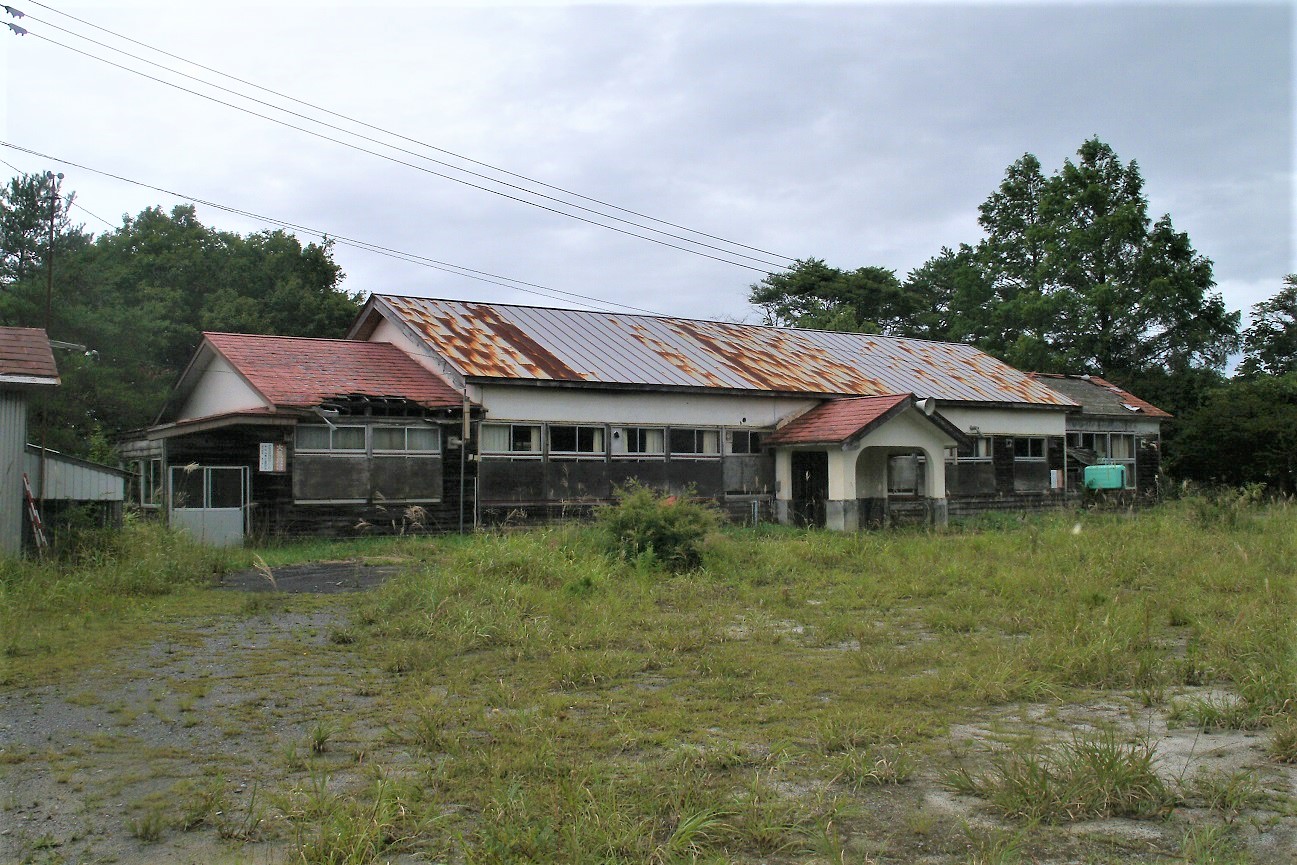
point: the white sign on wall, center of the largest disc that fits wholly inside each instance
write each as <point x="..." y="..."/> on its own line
<point x="273" y="457"/>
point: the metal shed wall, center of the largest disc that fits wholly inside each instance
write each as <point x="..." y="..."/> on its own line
<point x="74" y="480"/>
<point x="13" y="435"/>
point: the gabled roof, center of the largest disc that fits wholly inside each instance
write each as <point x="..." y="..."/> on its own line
<point x="292" y="372"/>
<point x="842" y="420"/>
<point x="539" y="345"/>
<point x="26" y="358"/>
<point x="1097" y="396"/>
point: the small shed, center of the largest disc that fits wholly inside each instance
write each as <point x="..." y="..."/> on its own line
<point x="76" y="491"/>
<point x="26" y="367"/>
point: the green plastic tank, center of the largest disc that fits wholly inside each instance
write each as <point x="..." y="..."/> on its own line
<point x="1105" y="477"/>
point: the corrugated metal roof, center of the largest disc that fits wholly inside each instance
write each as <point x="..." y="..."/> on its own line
<point x="1097" y="396"/>
<point x="25" y="356"/>
<point x="489" y="341"/>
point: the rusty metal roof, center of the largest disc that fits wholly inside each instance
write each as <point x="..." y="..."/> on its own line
<point x="496" y="341"/>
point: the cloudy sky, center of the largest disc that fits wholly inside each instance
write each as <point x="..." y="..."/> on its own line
<point x="862" y="133"/>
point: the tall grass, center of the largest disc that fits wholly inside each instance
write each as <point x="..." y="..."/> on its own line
<point x="52" y="612"/>
<point x="590" y="707"/>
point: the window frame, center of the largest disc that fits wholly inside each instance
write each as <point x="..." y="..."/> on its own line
<point x="598" y="445"/>
<point x="624" y="436"/>
<point x="698" y="434"/>
<point x="332" y="431"/>
<point x="983" y="444"/>
<point x="1030" y="441"/>
<point x="150" y="486"/>
<point x="436" y="449"/>
<point x="750" y="436"/>
<point x="537" y="453"/>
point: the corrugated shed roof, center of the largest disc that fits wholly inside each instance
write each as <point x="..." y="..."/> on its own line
<point x="296" y="372"/>
<point x="25" y="354"/>
<point x="497" y="341"/>
<point x="1099" y="396"/>
<point x="836" y="420"/>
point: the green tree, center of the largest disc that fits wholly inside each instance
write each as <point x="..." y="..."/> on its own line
<point x="1270" y="343"/>
<point x="1081" y="281"/>
<point x="812" y="294"/>
<point x="138" y="298"/>
<point x="1245" y="432"/>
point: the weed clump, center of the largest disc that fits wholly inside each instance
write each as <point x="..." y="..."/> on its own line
<point x="1085" y="778"/>
<point x="667" y="530"/>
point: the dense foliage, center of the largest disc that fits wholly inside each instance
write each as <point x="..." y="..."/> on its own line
<point x="1270" y="343"/>
<point x="643" y="525"/>
<point x="139" y="296"/>
<point x="1072" y="276"/>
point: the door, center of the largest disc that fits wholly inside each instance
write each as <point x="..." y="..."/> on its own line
<point x="810" y="487"/>
<point x="210" y="502"/>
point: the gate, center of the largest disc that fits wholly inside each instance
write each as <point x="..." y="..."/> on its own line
<point x="210" y="502"/>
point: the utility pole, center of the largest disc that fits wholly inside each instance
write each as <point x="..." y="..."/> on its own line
<point x="54" y="180"/>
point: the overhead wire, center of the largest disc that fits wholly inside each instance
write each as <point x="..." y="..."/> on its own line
<point x="768" y="264"/>
<point x="585" y="300"/>
<point x="385" y="131"/>
<point x="65" y="198"/>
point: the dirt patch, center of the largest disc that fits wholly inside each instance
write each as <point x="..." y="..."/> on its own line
<point x="175" y="751"/>
<point x="320" y="578"/>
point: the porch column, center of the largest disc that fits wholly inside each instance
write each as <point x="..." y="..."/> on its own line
<point x="783" y="485"/>
<point x="935" y="487"/>
<point x="842" y="510"/>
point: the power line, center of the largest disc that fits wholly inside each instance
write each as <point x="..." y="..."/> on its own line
<point x="66" y="198"/>
<point x="400" y="255"/>
<point x="395" y="134"/>
<point x="562" y="203"/>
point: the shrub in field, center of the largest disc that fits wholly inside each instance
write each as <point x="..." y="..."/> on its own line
<point x="669" y="530"/>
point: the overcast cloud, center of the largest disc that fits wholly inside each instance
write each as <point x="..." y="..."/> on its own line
<point x="865" y="134"/>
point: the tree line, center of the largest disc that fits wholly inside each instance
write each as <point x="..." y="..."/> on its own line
<point x="1074" y="276"/>
<point x="138" y="297"/>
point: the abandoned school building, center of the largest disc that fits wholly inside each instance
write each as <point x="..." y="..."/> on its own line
<point x="443" y="414"/>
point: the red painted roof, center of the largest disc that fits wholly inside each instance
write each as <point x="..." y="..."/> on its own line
<point x="836" y="420"/>
<point x="25" y="354"/>
<point x="297" y="372"/>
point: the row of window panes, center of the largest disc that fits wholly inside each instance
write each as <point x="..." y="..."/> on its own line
<point x="646" y="441"/>
<point x="979" y="449"/>
<point x="386" y="439"/>
<point x="1113" y="446"/>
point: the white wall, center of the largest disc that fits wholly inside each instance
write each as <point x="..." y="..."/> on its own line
<point x="219" y="390"/>
<point x="1009" y="422"/>
<point x="646" y="408"/>
<point x="388" y="331"/>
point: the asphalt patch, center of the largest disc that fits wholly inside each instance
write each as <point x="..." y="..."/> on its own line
<point x="319" y="578"/>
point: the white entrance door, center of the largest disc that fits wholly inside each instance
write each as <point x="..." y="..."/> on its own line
<point x="210" y="502"/>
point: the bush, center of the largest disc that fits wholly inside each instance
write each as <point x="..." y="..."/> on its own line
<point x="668" y="530"/>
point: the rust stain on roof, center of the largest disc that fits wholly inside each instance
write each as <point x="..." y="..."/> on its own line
<point x="520" y="342"/>
<point x="775" y="360"/>
<point x="484" y="343"/>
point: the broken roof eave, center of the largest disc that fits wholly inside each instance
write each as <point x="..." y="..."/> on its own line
<point x="26" y="381"/>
